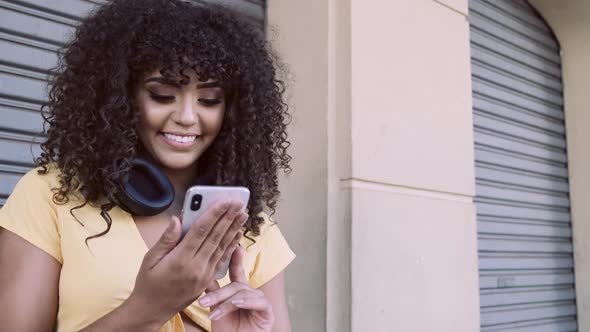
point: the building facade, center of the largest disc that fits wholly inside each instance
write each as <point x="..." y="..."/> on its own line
<point x="439" y="162"/>
<point x="407" y="224"/>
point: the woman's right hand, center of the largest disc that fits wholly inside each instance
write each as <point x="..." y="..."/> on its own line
<point x="174" y="274"/>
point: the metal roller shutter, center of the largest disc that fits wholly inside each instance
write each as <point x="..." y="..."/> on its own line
<point x="522" y="191"/>
<point x="31" y="31"/>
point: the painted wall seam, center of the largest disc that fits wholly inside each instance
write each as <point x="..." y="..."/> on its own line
<point x="404" y="190"/>
<point x="452" y="8"/>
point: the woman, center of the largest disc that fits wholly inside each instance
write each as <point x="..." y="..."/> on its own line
<point x="194" y="90"/>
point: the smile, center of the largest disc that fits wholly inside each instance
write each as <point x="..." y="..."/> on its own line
<point x="180" y="139"/>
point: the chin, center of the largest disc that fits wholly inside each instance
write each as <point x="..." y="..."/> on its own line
<point x="177" y="164"/>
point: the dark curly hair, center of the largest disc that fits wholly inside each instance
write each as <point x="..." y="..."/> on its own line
<point x="91" y="99"/>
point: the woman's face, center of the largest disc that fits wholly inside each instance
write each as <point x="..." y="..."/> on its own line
<point x="178" y="122"/>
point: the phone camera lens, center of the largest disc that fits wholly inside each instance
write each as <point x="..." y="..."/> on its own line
<point x="196" y="202"/>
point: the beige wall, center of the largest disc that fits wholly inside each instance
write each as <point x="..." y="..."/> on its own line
<point x="302" y="212"/>
<point x="338" y="272"/>
<point x="313" y="38"/>
<point x="414" y="250"/>
<point x="383" y="158"/>
<point x="570" y="21"/>
<point x="380" y="205"/>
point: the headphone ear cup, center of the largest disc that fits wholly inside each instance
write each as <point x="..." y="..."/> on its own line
<point x="147" y="190"/>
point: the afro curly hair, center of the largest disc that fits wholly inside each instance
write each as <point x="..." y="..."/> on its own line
<point x="91" y="99"/>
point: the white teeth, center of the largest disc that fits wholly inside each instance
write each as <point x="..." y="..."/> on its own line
<point x="180" y="139"/>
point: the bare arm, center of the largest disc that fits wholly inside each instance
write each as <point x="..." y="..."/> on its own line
<point x="274" y="290"/>
<point x="29" y="282"/>
<point x="29" y="279"/>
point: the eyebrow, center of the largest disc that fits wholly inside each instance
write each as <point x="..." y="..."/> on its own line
<point x="205" y="85"/>
<point x="163" y="80"/>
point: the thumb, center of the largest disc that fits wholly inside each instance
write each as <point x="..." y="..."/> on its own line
<point x="165" y="244"/>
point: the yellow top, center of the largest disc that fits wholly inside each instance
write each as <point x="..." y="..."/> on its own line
<point x="96" y="279"/>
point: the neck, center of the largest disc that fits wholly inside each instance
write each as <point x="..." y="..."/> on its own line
<point x="181" y="180"/>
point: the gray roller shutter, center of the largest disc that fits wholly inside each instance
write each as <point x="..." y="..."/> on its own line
<point x="522" y="192"/>
<point x="31" y="31"/>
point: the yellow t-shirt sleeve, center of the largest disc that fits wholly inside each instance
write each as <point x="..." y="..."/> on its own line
<point x="30" y="213"/>
<point x="274" y="254"/>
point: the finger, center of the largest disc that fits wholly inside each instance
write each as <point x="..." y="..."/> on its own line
<point x="213" y="244"/>
<point x="165" y="244"/>
<point x="213" y="286"/>
<point x="259" y="303"/>
<point x="236" y="266"/>
<point x="229" y="239"/>
<point x="220" y="295"/>
<point x="246" y="296"/>
<point x="222" y="265"/>
<point x="200" y="228"/>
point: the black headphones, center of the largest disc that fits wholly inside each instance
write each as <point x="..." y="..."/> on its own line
<point x="147" y="190"/>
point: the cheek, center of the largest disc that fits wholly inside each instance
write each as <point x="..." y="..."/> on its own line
<point x="212" y="121"/>
<point x="150" y="119"/>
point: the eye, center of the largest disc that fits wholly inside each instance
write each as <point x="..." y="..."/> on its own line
<point x="210" y="102"/>
<point x="160" y="98"/>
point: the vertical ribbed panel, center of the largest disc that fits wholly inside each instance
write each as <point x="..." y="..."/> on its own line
<point x="31" y="31"/>
<point x="30" y="34"/>
<point x="522" y="192"/>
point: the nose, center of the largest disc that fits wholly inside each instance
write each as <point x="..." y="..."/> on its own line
<point x="187" y="114"/>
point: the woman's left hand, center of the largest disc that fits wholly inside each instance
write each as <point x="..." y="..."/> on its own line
<point x="237" y="306"/>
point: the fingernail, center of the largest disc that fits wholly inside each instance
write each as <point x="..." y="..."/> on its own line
<point x="215" y="314"/>
<point x="237" y="302"/>
<point x="205" y="301"/>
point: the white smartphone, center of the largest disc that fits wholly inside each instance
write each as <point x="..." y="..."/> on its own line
<point x="199" y="199"/>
